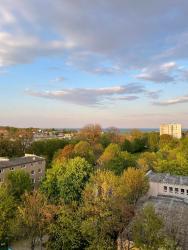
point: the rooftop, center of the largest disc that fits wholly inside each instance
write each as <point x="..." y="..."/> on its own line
<point x="6" y="163"/>
<point x="167" y="178"/>
<point x="169" y="208"/>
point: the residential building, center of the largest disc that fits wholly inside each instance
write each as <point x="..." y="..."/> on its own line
<point x="173" y="129"/>
<point x="32" y="164"/>
<point x="164" y="184"/>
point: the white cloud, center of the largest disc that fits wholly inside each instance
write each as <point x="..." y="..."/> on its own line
<point x="19" y="49"/>
<point x="130" y="34"/>
<point x="58" y="79"/>
<point x="158" y="73"/>
<point x="92" y="96"/>
<point x="173" y="101"/>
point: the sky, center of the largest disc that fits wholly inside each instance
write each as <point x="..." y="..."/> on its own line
<point x="68" y="63"/>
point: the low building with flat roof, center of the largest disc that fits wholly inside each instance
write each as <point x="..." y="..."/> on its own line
<point x="32" y="164"/>
<point x="165" y="184"/>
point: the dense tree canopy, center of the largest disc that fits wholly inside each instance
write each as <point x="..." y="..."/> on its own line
<point x="47" y="148"/>
<point x="91" y="189"/>
<point x="8" y="208"/>
<point x="17" y="182"/>
<point x="11" y="148"/>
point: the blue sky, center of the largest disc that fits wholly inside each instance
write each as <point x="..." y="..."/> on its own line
<point x="67" y="63"/>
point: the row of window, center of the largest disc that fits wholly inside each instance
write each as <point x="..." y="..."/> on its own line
<point x="39" y="171"/>
<point x="175" y="190"/>
<point x="38" y="179"/>
<point x="32" y="172"/>
<point x="33" y="180"/>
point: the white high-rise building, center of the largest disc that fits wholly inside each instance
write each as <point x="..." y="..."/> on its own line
<point x="173" y="129"/>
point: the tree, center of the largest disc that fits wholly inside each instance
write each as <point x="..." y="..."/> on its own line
<point x="153" y="141"/>
<point x="148" y="229"/>
<point x="114" y="135"/>
<point x="72" y="182"/>
<point x="65" y="232"/>
<point x="11" y="148"/>
<point x="7" y="216"/>
<point x="134" y="184"/>
<point x="17" y="183"/>
<point x="112" y="151"/>
<point x="105" y="211"/>
<point x="47" y="148"/>
<point x="147" y="161"/>
<point x="67" y="152"/>
<point x="35" y="217"/>
<point x="139" y="145"/>
<point x="90" y="133"/>
<point x="136" y="134"/>
<point x="84" y="150"/>
<point x="50" y="185"/>
<point x="126" y="146"/>
<point x="66" y="180"/>
<point x="167" y="141"/>
<point x="113" y="159"/>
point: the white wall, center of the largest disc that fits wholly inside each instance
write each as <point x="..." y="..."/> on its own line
<point x="158" y="189"/>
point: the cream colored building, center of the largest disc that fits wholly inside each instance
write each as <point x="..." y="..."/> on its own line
<point x="164" y="184"/>
<point x="173" y="129"/>
<point x="32" y="164"/>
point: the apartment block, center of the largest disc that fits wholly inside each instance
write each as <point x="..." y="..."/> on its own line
<point x="172" y="129"/>
<point x="32" y="164"/>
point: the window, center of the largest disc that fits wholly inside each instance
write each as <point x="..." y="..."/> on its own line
<point x="171" y="189"/>
<point x="182" y="191"/>
<point x="187" y="192"/>
<point x="40" y="178"/>
<point x="40" y="170"/>
<point x="23" y="166"/>
<point x="165" y="188"/>
<point x="176" y="190"/>
<point x="33" y="180"/>
<point x="1" y="170"/>
<point x="32" y="172"/>
<point x="11" y="169"/>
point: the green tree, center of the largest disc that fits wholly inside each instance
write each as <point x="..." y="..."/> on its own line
<point x="66" y="180"/>
<point x="116" y="160"/>
<point x="65" y="232"/>
<point x="147" y="161"/>
<point x="50" y="185"/>
<point x="35" y="216"/>
<point x="153" y="141"/>
<point x="126" y="146"/>
<point x="136" y="134"/>
<point x="84" y="150"/>
<point x="72" y="182"/>
<point x="17" y="183"/>
<point x="105" y="211"/>
<point x="7" y="216"/>
<point x="113" y="159"/>
<point x="134" y="184"/>
<point x="11" y="148"/>
<point x="148" y="229"/>
<point x="168" y="142"/>
<point x="47" y="148"/>
<point x="139" y="145"/>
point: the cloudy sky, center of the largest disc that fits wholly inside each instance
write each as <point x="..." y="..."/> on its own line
<point x="67" y="63"/>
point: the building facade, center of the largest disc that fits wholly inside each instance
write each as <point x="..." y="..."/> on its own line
<point x="32" y="164"/>
<point x="162" y="184"/>
<point x="173" y="129"/>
